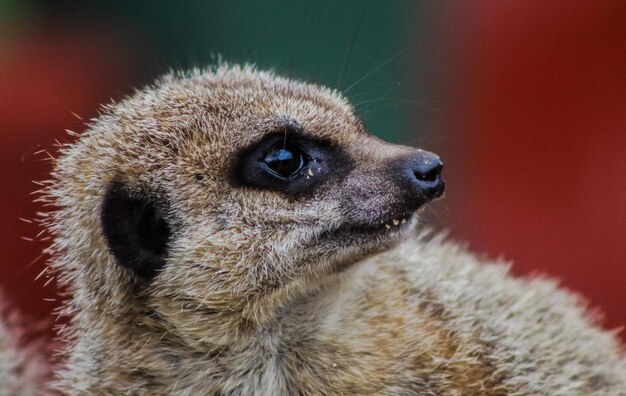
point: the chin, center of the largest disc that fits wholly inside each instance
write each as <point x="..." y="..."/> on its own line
<point x="349" y="244"/>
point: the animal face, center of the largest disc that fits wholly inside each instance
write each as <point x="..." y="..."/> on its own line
<point x="219" y="189"/>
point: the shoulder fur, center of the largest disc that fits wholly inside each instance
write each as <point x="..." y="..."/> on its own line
<point x="23" y="369"/>
<point x="539" y="338"/>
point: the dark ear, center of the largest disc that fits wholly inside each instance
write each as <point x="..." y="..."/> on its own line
<point x="135" y="231"/>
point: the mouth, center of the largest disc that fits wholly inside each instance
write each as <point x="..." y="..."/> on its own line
<point x="383" y="229"/>
<point x="343" y="245"/>
<point x="349" y="242"/>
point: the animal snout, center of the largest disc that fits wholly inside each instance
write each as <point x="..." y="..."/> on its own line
<point x="425" y="170"/>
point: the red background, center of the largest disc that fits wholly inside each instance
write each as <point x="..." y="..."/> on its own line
<point x="537" y="171"/>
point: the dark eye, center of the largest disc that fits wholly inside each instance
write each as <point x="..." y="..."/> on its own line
<point x="284" y="161"/>
<point x="288" y="161"/>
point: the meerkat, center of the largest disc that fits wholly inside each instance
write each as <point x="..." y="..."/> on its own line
<point x="232" y="232"/>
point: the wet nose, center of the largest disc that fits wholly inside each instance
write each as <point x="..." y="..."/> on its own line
<point x="426" y="169"/>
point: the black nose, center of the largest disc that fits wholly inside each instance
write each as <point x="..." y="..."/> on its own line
<point x="426" y="168"/>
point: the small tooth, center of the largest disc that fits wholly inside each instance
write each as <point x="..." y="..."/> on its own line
<point x="395" y="222"/>
<point x="387" y="226"/>
<point x="403" y="221"/>
<point x="310" y="172"/>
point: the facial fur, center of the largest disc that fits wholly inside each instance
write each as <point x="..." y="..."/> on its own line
<point x="171" y="194"/>
<point x="212" y="232"/>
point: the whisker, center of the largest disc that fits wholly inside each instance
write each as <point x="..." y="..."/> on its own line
<point x="294" y="50"/>
<point x="375" y="69"/>
<point x="415" y="103"/>
<point x="346" y="63"/>
<point x="383" y="99"/>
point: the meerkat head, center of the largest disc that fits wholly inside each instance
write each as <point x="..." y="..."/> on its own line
<point x="218" y="194"/>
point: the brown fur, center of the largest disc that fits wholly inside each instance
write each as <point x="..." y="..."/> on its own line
<point x="23" y="368"/>
<point x="257" y="299"/>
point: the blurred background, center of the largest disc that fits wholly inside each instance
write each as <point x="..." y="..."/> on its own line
<point x="525" y="102"/>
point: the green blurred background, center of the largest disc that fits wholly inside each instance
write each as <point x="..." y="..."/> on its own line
<point x="364" y="48"/>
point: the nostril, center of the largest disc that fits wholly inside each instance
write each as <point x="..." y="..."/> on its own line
<point x="428" y="176"/>
<point x="428" y="170"/>
<point x="421" y="176"/>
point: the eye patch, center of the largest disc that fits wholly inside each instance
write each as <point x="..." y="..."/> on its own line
<point x="289" y="163"/>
